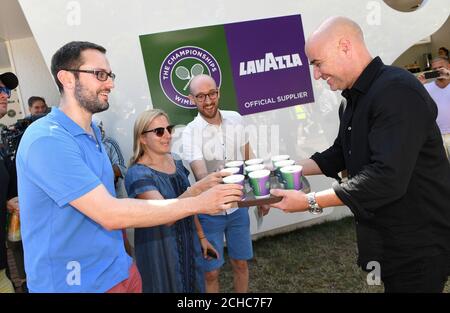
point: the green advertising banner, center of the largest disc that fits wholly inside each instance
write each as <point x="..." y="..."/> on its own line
<point x="173" y="58"/>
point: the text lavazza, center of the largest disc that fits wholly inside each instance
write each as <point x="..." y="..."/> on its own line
<point x="269" y="63"/>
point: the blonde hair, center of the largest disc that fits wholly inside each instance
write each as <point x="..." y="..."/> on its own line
<point x="143" y="120"/>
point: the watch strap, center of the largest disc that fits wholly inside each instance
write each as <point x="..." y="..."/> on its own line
<point x="314" y="207"/>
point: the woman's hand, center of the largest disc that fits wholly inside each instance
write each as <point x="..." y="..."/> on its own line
<point x="209" y="181"/>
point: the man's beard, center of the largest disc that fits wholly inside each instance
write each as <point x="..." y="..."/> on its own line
<point x="89" y="100"/>
<point x="209" y="115"/>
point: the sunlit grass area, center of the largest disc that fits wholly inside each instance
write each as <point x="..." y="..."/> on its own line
<point x="320" y="258"/>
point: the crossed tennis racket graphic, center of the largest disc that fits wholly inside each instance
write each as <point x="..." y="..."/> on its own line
<point x="184" y="74"/>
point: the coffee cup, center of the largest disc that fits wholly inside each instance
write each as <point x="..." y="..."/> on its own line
<point x="231" y="170"/>
<point x="260" y="183"/>
<point x="235" y="179"/>
<point x="239" y="164"/>
<point x="255" y="167"/>
<point x="280" y="157"/>
<point x="280" y="164"/>
<point x="254" y="161"/>
<point x="292" y="176"/>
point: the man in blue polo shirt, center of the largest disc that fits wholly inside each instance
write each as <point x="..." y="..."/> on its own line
<point x="70" y="217"/>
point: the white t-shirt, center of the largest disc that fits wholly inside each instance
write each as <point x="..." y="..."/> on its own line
<point x="442" y="98"/>
<point x="214" y="144"/>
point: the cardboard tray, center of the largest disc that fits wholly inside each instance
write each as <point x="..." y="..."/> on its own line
<point x="250" y="199"/>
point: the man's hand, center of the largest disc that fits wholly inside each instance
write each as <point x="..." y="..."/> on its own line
<point x="263" y="210"/>
<point x="219" y="198"/>
<point x="422" y="78"/>
<point x="206" y="245"/>
<point x="445" y="73"/>
<point x="293" y="200"/>
<point x="13" y="205"/>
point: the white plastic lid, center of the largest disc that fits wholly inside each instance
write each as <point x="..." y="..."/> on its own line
<point x="284" y="163"/>
<point x="232" y="170"/>
<point x="259" y="174"/>
<point x="254" y="161"/>
<point x="256" y="167"/>
<point x="233" y="179"/>
<point x="234" y="163"/>
<point x="280" y="157"/>
<point x="291" y="169"/>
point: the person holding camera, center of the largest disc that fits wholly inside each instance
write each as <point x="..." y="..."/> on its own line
<point x="8" y="186"/>
<point x="439" y="90"/>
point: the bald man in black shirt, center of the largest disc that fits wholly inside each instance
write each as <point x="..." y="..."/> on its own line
<point x="398" y="183"/>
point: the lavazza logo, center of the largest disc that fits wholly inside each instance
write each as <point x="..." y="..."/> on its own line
<point x="270" y="62"/>
<point x="180" y="67"/>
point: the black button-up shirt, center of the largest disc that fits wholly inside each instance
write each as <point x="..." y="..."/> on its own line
<point x="399" y="176"/>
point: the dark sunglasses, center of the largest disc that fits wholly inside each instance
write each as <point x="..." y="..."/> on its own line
<point x="6" y="91"/>
<point x="159" y="131"/>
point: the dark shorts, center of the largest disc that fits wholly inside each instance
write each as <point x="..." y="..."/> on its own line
<point x="236" y="227"/>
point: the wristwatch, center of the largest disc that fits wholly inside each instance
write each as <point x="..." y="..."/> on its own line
<point x="314" y="208"/>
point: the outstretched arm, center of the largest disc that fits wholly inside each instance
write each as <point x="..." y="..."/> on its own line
<point x="113" y="213"/>
<point x="310" y="167"/>
<point x="295" y="201"/>
<point x="206" y="245"/>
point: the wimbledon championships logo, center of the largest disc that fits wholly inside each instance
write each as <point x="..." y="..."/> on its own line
<point x="180" y="67"/>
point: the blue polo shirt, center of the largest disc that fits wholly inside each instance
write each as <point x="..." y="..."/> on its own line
<point x="65" y="251"/>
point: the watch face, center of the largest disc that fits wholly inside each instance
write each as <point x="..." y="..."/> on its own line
<point x="311" y="199"/>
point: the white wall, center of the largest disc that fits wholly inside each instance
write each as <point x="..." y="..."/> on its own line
<point x="4" y="58"/>
<point x="414" y="54"/>
<point x="34" y="75"/>
<point x="441" y="38"/>
<point x="117" y="24"/>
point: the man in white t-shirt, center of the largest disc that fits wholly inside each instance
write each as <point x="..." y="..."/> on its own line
<point x="440" y="92"/>
<point x="211" y="139"/>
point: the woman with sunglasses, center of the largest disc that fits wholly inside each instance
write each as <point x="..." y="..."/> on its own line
<point x="166" y="256"/>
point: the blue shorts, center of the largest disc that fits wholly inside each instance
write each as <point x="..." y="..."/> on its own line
<point x="236" y="227"/>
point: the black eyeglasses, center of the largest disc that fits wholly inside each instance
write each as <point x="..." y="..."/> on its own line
<point x="202" y="96"/>
<point x="159" y="131"/>
<point x="100" y="74"/>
